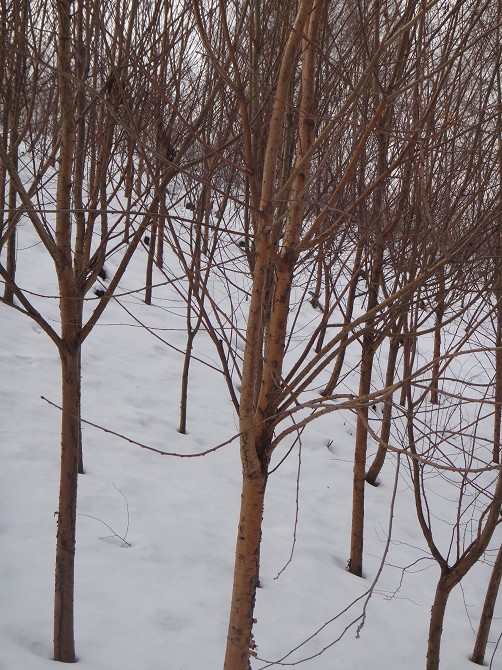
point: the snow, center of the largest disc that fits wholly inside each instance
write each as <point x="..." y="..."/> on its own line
<point x="161" y="598"/>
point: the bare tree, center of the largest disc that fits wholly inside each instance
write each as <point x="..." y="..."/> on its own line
<point x="288" y="226"/>
<point x="88" y="127"/>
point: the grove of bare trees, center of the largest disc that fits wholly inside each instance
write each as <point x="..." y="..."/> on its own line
<point x="345" y="157"/>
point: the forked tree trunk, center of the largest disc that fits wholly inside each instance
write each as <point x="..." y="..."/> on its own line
<point x="485" y="622"/>
<point x="450" y="576"/>
<point x="240" y="644"/>
<point x="266" y="329"/>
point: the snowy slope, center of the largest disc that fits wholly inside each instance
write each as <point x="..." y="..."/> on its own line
<point x="161" y="599"/>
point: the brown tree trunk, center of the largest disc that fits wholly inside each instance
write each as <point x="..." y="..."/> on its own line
<point x="409" y="350"/>
<point x="80" y="443"/>
<point x="8" y="296"/>
<point x="149" y="263"/>
<point x="184" y="382"/>
<point x="357" y="531"/>
<point x="498" y="363"/>
<point x="440" y="307"/>
<point x="64" y="641"/>
<point x="369" y="346"/>
<point x="20" y="16"/>
<point x="240" y="644"/>
<point x="349" y="310"/>
<point x="377" y="465"/>
<point x="438" y="610"/>
<point x="70" y="305"/>
<point x="485" y="622"/>
<point x="266" y="332"/>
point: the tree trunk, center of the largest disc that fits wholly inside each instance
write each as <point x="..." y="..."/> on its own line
<point x="15" y="103"/>
<point x="70" y="306"/>
<point x="184" y="383"/>
<point x="478" y="655"/>
<point x="349" y="309"/>
<point x="498" y="367"/>
<point x="80" y="444"/>
<point x="440" y="308"/>
<point x="8" y="296"/>
<point x="369" y="347"/>
<point x="357" y="531"/>
<point x="240" y="644"/>
<point x="438" y="610"/>
<point x="64" y="641"/>
<point x="379" y="460"/>
<point x="149" y="264"/>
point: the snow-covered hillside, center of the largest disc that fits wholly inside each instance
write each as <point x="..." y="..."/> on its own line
<point x="156" y="533"/>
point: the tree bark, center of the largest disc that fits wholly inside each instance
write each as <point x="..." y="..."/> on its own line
<point x="349" y="310"/>
<point x="498" y="362"/>
<point x="377" y="465"/>
<point x="64" y="640"/>
<point x="184" y="382"/>
<point x="357" y="530"/>
<point x="240" y="644"/>
<point x="485" y="622"/>
<point x="149" y="263"/>
<point x="440" y="309"/>
<point x="438" y="610"/>
<point x="70" y="306"/>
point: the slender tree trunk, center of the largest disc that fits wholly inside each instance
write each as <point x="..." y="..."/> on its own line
<point x="4" y="139"/>
<point x="128" y="189"/>
<point x="409" y="351"/>
<point x="438" y="610"/>
<point x="159" y="258"/>
<point x="184" y="382"/>
<point x="80" y="443"/>
<point x="335" y="375"/>
<point x="498" y="365"/>
<point x="149" y="263"/>
<point x="440" y="307"/>
<point x="8" y="295"/>
<point x="70" y="305"/>
<point x="485" y="622"/>
<point x="14" y="120"/>
<point x="379" y="460"/>
<point x="240" y="644"/>
<point x="369" y="346"/>
<point x="64" y="640"/>
<point x="357" y="531"/>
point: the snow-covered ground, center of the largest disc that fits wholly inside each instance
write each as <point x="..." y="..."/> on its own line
<point x="155" y="537"/>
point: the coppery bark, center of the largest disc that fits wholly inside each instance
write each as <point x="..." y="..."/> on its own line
<point x="439" y="313"/>
<point x="379" y="460"/>
<point x="240" y="643"/>
<point x="70" y="305"/>
<point x="64" y="638"/>
<point x="485" y="621"/>
<point x="436" y="623"/>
